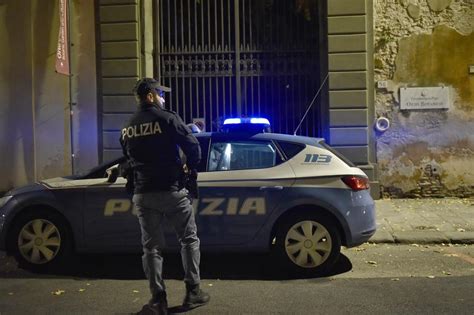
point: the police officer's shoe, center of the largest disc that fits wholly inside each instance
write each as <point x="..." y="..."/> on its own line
<point x="195" y="297"/>
<point x="158" y="305"/>
<point x="154" y="309"/>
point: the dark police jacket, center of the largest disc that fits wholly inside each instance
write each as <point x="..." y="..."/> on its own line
<point x="150" y="142"/>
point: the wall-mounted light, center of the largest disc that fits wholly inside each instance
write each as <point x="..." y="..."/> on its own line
<point x="382" y="124"/>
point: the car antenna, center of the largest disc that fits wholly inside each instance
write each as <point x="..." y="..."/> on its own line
<point x="311" y="104"/>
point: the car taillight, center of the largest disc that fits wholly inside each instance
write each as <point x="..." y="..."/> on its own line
<point x="356" y="183"/>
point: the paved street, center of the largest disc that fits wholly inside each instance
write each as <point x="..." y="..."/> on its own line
<point x="373" y="278"/>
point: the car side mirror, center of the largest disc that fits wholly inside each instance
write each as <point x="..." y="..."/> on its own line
<point x="112" y="174"/>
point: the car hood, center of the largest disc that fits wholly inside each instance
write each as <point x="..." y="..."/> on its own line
<point x="49" y="183"/>
<point x="54" y="180"/>
<point x="75" y="182"/>
<point x="26" y="189"/>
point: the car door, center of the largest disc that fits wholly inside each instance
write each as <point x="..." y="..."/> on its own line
<point x="244" y="181"/>
<point x="109" y="221"/>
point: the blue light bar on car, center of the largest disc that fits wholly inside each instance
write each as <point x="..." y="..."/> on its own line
<point x="232" y="121"/>
<point x="254" y="120"/>
<point x="259" y="121"/>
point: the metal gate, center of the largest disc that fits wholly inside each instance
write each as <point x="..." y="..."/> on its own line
<point x="232" y="58"/>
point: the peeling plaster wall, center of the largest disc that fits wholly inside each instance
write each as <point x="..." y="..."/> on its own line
<point x="425" y="153"/>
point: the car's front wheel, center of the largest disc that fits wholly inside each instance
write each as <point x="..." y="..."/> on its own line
<point x="308" y="244"/>
<point x="40" y="240"/>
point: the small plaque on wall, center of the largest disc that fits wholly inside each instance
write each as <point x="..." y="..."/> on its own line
<point x="424" y="98"/>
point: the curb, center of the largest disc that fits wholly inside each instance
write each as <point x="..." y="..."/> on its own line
<point x="422" y="237"/>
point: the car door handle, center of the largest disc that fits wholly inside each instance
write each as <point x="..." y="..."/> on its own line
<point x="271" y="187"/>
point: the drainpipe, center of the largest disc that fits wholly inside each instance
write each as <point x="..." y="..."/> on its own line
<point x="33" y="99"/>
<point x="71" y="103"/>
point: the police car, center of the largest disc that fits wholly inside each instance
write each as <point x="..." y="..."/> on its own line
<point x="291" y="196"/>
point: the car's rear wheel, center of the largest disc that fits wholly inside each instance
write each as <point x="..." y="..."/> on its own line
<point x="40" y="240"/>
<point x="308" y="244"/>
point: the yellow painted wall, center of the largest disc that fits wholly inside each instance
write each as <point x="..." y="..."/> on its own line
<point x="35" y="137"/>
<point x="34" y="122"/>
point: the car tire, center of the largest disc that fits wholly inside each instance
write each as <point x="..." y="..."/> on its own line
<point x="307" y="244"/>
<point x="40" y="240"/>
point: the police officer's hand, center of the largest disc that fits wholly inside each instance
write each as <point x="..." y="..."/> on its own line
<point x="191" y="184"/>
<point x="126" y="171"/>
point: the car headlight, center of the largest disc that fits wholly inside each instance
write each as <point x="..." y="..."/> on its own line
<point x="4" y="200"/>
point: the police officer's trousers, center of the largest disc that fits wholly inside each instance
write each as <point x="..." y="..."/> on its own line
<point x="176" y="207"/>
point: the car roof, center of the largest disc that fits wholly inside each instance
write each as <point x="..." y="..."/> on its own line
<point x="259" y="136"/>
<point x="219" y="136"/>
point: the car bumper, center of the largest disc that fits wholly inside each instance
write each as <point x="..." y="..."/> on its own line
<point x="2" y="232"/>
<point x="360" y="217"/>
<point x="4" y="211"/>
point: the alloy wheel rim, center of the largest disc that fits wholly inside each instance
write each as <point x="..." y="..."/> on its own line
<point x="308" y="244"/>
<point x="39" y="241"/>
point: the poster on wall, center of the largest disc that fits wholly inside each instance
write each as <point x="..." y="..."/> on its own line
<point x="424" y="98"/>
<point x="62" y="52"/>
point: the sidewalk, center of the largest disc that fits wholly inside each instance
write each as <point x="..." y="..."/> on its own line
<point x="423" y="221"/>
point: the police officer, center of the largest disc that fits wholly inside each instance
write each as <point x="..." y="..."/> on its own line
<point x="150" y="142"/>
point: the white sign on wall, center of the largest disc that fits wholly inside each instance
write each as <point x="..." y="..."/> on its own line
<point x="424" y="98"/>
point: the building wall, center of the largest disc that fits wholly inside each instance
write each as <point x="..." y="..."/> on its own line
<point x="121" y="65"/>
<point x="423" y="153"/>
<point x="85" y="120"/>
<point x="351" y="107"/>
<point x="35" y="136"/>
<point x="425" y="43"/>
<point x="126" y="53"/>
<point x="34" y="139"/>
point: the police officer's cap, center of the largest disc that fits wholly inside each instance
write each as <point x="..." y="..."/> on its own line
<point x="146" y="85"/>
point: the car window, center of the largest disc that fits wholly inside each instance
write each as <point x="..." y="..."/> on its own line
<point x="242" y="155"/>
<point x="290" y="148"/>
